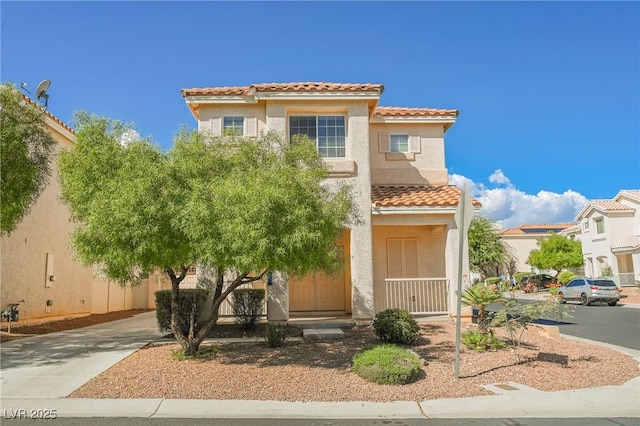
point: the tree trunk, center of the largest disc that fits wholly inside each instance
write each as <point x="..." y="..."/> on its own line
<point x="191" y="343"/>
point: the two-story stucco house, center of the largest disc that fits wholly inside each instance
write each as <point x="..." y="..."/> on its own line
<point x="611" y="237"/>
<point x="404" y="252"/>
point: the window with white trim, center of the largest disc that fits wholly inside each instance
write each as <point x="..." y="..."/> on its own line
<point x="599" y="222"/>
<point x="240" y="125"/>
<point x="233" y="125"/>
<point x="402" y="258"/>
<point x="327" y="131"/>
<point x="399" y="142"/>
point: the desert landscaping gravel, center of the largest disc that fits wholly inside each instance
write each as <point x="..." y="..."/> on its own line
<point x="320" y="371"/>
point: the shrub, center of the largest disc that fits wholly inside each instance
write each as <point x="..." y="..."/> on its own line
<point x="480" y="341"/>
<point x="190" y="301"/>
<point x="275" y="335"/>
<point x="518" y="275"/>
<point x="387" y="365"/>
<point x="247" y="306"/>
<point x="396" y="326"/>
<point x="492" y="280"/>
<point x="565" y="276"/>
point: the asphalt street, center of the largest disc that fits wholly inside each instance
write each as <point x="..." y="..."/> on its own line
<point x="95" y="421"/>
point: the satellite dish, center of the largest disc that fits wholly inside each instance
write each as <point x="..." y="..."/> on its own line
<point x="41" y="90"/>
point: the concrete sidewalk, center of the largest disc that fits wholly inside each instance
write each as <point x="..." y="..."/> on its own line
<point x="37" y="372"/>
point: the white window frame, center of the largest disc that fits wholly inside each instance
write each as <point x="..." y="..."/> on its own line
<point x="413" y="143"/>
<point x="599" y="223"/>
<point x="406" y="142"/>
<point x="239" y="127"/>
<point x="317" y="117"/>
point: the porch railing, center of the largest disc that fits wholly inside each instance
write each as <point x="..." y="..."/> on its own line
<point x="627" y="279"/>
<point x="416" y="295"/>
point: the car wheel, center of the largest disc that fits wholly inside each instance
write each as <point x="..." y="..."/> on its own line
<point x="534" y="289"/>
<point x="612" y="303"/>
<point x="561" y="298"/>
<point x="585" y="300"/>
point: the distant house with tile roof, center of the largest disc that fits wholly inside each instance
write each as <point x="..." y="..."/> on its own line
<point x="611" y="237"/>
<point x="524" y="238"/>
<point x="404" y="252"/>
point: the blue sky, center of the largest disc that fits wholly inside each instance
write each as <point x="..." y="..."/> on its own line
<point x="548" y="93"/>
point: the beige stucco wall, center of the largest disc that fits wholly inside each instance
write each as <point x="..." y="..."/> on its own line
<point x="245" y="110"/>
<point x="45" y="230"/>
<point x="520" y="247"/>
<point x="43" y="233"/>
<point x="426" y="167"/>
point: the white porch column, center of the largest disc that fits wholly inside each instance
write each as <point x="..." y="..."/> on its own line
<point x="362" y="298"/>
<point x="278" y="298"/>
<point x="635" y="260"/>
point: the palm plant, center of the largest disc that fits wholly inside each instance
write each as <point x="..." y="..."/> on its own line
<point x="478" y="296"/>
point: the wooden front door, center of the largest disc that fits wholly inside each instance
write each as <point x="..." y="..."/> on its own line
<point x="318" y="292"/>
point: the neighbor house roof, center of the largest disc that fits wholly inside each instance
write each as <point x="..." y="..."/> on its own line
<point x="303" y="87"/>
<point x="631" y="243"/>
<point x="417" y="196"/>
<point x="631" y="193"/>
<point x="537" y="228"/>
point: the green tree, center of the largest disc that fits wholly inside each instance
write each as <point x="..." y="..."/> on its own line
<point x="237" y="206"/>
<point x="27" y="148"/>
<point x="556" y="252"/>
<point x="487" y="252"/>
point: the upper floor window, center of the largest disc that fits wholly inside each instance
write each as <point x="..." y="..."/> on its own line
<point x="233" y="125"/>
<point x="585" y="225"/>
<point x="398" y="143"/>
<point x="599" y="225"/>
<point x="328" y="132"/>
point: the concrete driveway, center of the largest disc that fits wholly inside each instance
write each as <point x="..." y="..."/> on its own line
<point x="54" y="365"/>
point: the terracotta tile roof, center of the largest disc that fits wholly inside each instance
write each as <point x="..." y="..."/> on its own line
<point x="413" y="112"/>
<point x="630" y="243"/>
<point x="417" y="196"/>
<point x="631" y="193"/>
<point x="48" y="114"/>
<point x="609" y="206"/>
<point x="537" y="228"/>
<point x="309" y="87"/>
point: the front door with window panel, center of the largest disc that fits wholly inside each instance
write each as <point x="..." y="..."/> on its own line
<point x="318" y="292"/>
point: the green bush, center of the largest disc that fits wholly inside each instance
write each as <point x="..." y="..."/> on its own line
<point x="518" y="275"/>
<point x="565" y="276"/>
<point x="480" y="341"/>
<point x="387" y="365"/>
<point x="275" y="335"/>
<point x="492" y="280"/>
<point x="247" y="306"/>
<point x="186" y="300"/>
<point x="396" y="326"/>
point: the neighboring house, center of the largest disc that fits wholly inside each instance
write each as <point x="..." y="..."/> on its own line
<point x="524" y="238"/>
<point x="611" y="237"/>
<point x="38" y="268"/>
<point x="404" y="252"/>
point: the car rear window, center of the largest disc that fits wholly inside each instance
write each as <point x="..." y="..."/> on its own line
<point x="602" y="283"/>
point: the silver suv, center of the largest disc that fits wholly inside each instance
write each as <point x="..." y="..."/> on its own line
<point x="588" y="290"/>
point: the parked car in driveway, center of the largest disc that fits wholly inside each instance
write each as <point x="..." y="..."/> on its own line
<point x="589" y="290"/>
<point x="537" y="282"/>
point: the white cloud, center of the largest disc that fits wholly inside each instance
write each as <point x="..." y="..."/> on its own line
<point x="509" y="207"/>
<point x="129" y="136"/>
